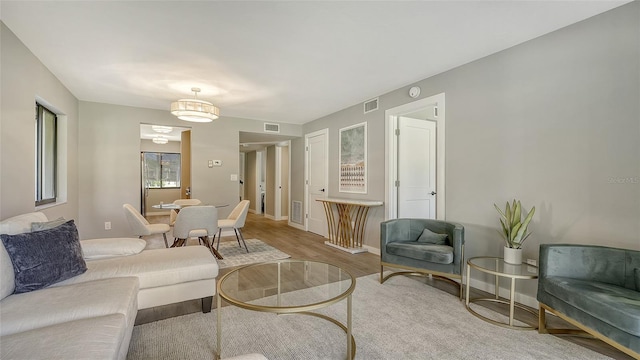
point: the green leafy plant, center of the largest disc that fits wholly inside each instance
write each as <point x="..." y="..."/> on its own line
<point x="514" y="228"/>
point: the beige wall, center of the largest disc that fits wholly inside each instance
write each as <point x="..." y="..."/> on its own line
<point x="554" y="122"/>
<point x="24" y="79"/>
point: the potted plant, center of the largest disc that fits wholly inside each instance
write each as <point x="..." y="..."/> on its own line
<point x="514" y="230"/>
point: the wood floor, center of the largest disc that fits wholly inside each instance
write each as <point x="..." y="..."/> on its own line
<point x="304" y="245"/>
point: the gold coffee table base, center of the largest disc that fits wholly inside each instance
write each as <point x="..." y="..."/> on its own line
<point x="338" y="284"/>
<point x="338" y="323"/>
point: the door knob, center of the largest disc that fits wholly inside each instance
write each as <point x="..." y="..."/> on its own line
<point x="433" y="193"/>
<point x="322" y="190"/>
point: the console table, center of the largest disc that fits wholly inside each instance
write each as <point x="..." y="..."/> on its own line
<point x="346" y="231"/>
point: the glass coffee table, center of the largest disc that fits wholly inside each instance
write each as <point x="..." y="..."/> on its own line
<point x="287" y="287"/>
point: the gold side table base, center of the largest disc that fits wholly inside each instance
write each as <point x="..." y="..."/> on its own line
<point x="499" y="269"/>
<point x="506" y="325"/>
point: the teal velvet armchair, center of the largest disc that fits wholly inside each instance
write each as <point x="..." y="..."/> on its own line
<point x="595" y="288"/>
<point x="438" y="251"/>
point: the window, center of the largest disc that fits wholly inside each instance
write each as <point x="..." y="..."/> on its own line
<point x="162" y="170"/>
<point x="46" y="165"/>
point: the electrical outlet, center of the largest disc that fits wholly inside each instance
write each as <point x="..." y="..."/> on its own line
<point x="532" y="262"/>
<point x="107" y="225"/>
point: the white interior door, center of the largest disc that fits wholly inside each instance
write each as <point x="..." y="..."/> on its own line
<point x="317" y="181"/>
<point x="416" y="168"/>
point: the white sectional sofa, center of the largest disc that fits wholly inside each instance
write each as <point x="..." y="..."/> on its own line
<point x="91" y="316"/>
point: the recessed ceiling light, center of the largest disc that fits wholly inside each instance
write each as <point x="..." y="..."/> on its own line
<point x="162" y="129"/>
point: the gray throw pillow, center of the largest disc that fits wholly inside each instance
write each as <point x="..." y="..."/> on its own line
<point x="429" y="237"/>
<point x="37" y="226"/>
<point x="43" y="258"/>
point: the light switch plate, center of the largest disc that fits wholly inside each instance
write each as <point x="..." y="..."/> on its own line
<point x="234" y="177"/>
<point x="210" y="163"/>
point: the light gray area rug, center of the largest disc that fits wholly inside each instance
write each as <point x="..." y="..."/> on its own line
<point x="401" y="319"/>
<point x="235" y="255"/>
<point x="232" y="253"/>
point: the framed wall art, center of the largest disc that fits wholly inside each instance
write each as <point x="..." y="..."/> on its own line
<point x="353" y="159"/>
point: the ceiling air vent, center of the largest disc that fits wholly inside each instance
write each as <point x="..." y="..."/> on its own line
<point x="371" y="105"/>
<point x="271" y="128"/>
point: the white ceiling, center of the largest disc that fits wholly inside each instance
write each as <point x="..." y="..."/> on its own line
<point x="280" y="61"/>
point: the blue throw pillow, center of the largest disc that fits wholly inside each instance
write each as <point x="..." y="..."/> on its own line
<point x="43" y="258"/>
<point x="429" y="237"/>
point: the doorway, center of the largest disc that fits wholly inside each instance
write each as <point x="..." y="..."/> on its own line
<point x="406" y="191"/>
<point x="316" y="181"/>
<point x="165" y="166"/>
<point x="266" y="173"/>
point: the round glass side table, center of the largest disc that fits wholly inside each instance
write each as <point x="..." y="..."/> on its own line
<point x="496" y="266"/>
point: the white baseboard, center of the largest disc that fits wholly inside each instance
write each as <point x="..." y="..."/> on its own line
<point x="297" y="226"/>
<point x="349" y="250"/>
<point x="372" y="250"/>
<point x="271" y="217"/>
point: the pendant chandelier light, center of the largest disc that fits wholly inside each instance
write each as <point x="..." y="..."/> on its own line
<point x="162" y="129"/>
<point x="159" y="139"/>
<point x="195" y="110"/>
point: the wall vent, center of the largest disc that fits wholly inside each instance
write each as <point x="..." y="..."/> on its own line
<point x="296" y="211"/>
<point x="371" y="105"/>
<point x="271" y="128"/>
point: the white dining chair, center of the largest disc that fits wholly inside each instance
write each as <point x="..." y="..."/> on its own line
<point x="236" y="222"/>
<point x="196" y="222"/>
<point x="141" y="227"/>
<point x="181" y="202"/>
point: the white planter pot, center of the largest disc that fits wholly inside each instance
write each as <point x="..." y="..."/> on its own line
<point x="512" y="256"/>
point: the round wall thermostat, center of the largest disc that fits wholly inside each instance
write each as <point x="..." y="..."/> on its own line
<point x="414" y="92"/>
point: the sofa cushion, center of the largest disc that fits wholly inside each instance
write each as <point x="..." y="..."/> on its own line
<point x="44" y="225"/>
<point x="429" y="237"/>
<point x="94" y="338"/>
<point x="111" y="247"/>
<point x="56" y="305"/>
<point x="21" y="223"/>
<point x="154" y="268"/>
<point x="439" y="254"/>
<point x="614" y="305"/>
<point x="14" y="225"/>
<point x="42" y="258"/>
